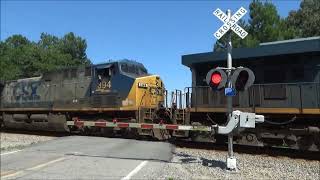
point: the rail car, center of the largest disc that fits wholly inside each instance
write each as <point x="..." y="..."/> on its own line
<point x="286" y="92"/>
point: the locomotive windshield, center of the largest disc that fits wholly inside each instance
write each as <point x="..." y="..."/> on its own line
<point x="133" y="68"/>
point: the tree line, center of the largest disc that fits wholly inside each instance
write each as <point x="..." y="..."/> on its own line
<point x="22" y="58"/>
<point x="265" y="24"/>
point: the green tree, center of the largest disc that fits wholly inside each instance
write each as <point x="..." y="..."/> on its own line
<point x="15" y="56"/>
<point x="21" y="58"/>
<point x="7" y="68"/>
<point x="17" y="41"/>
<point x="264" y="21"/>
<point x="48" y="41"/>
<point x="76" y="47"/>
<point x="264" y="25"/>
<point x="306" y="20"/>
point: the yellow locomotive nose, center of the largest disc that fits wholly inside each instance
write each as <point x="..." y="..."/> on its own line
<point x="159" y="82"/>
<point x="148" y="91"/>
<point x="159" y="86"/>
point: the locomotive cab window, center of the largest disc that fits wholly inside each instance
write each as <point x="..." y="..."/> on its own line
<point x="104" y="74"/>
<point x="133" y="69"/>
<point x="103" y="77"/>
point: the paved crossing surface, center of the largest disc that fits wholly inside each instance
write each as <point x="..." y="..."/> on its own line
<point x="81" y="157"/>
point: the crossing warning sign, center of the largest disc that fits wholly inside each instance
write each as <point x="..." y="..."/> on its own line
<point x="230" y="23"/>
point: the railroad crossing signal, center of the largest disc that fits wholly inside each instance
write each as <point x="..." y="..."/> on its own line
<point x="230" y="23"/>
<point x="241" y="79"/>
<point x="216" y="79"/>
<point x="238" y="80"/>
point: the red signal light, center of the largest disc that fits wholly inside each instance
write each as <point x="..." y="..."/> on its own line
<point x="216" y="78"/>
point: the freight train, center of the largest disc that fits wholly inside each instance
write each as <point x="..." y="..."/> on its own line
<point x="110" y="96"/>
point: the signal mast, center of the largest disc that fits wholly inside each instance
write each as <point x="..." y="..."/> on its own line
<point x="232" y="80"/>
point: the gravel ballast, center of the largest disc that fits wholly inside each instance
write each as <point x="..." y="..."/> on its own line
<point x="210" y="164"/>
<point x="13" y="141"/>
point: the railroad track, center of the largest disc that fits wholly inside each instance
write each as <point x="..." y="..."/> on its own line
<point x="265" y="151"/>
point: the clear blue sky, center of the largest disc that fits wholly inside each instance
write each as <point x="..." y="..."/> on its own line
<point x="154" y="33"/>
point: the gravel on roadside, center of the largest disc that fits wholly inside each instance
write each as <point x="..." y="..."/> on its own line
<point x="14" y="141"/>
<point x="210" y="164"/>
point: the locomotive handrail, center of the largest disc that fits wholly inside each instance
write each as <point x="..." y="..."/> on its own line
<point x="188" y="87"/>
<point x="192" y="95"/>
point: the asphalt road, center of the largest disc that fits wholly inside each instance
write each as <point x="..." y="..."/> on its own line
<point x="81" y="157"/>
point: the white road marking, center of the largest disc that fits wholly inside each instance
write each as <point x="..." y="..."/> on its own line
<point x="135" y="171"/>
<point x="33" y="168"/>
<point x="11" y="152"/>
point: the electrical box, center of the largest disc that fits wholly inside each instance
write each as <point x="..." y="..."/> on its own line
<point x="247" y="120"/>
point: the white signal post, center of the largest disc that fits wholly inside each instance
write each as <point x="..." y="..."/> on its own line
<point x="230" y="22"/>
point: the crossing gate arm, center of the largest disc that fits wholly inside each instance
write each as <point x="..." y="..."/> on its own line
<point x="103" y="124"/>
<point x="238" y="120"/>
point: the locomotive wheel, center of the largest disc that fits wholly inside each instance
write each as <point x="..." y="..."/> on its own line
<point x="132" y="133"/>
<point x="111" y="132"/>
<point x="316" y="140"/>
<point x="290" y="140"/>
<point x="248" y="139"/>
<point x="304" y="142"/>
<point x="85" y="131"/>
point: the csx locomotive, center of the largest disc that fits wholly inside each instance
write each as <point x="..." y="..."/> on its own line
<point x="121" y="89"/>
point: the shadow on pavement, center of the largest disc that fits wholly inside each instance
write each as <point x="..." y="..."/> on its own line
<point x="186" y="158"/>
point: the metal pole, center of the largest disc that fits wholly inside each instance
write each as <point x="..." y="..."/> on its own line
<point x="166" y="92"/>
<point x="180" y="100"/>
<point x="229" y="98"/>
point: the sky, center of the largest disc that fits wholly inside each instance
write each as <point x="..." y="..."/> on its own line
<point x="155" y="33"/>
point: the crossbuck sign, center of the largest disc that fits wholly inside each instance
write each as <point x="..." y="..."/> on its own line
<point x="230" y="23"/>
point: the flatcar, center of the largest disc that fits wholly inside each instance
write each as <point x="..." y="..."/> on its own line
<point x="121" y="89"/>
<point x="286" y="92"/>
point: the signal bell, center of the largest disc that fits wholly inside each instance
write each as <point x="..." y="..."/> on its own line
<point x="216" y="79"/>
